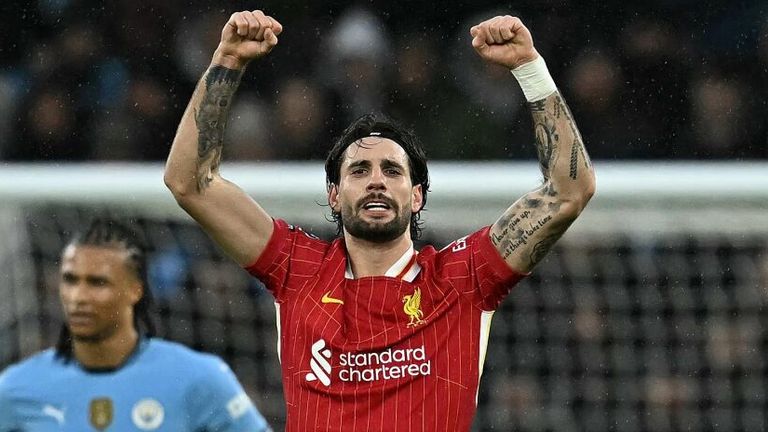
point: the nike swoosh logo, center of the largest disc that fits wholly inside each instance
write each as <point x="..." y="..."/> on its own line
<point x="328" y="299"/>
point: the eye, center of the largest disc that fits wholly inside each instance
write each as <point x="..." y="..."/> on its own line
<point x="98" y="282"/>
<point x="392" y="171"/>
<point x="68" y="278"/>
<point x="359" y="171"/>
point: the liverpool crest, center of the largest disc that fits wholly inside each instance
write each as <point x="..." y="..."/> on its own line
<point x="412" y="308"/>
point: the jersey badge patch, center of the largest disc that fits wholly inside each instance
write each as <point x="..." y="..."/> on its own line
<point x="412" y="308"/>
<point x="100" y="413"/>
<point x="148" y="414"/>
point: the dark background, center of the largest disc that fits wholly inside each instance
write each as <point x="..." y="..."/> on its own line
<point x="675" y="79"/>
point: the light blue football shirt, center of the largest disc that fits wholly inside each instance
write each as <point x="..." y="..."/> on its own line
<point x="163" y="386"/>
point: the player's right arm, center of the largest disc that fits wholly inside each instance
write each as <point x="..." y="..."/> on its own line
<point x="529" y="228"/>
<point x="231" y="217"/>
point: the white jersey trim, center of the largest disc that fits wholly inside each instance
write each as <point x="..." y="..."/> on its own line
<point x="400" y="264"/>
<point x="397" y="268"/>
<point x="485" y="332"/>
<point x="277" y="324"/>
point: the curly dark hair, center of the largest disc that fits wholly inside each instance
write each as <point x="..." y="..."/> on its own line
<point x="381" y="126"/>
<point x="112" y="233"/>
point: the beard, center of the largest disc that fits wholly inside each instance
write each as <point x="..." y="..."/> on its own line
<point x="376" y="232"/>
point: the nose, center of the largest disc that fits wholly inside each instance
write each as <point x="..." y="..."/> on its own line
<point x="377" y="180"/>
<point x="74" y="293"/>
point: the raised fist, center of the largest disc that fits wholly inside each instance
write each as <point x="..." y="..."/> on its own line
<point x="246" y="36"/>
<point x="504" y="40"/>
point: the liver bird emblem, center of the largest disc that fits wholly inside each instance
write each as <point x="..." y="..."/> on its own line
<point x="412" y="308"/>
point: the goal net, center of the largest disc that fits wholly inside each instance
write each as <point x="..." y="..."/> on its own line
<point x="648" y="315"/>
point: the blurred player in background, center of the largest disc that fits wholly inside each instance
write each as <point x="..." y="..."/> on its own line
<point x="104" y="372"/>
<point x="373" y="334"/>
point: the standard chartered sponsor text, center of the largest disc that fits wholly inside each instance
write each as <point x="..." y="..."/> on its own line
<point x="376" y="366"/>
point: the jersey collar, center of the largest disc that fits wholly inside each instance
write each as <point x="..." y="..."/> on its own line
<point x="141" y="345"/>
<point x="405" y="268"/>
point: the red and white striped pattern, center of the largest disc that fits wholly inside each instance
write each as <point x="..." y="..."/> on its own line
<point x="460" y="285"/>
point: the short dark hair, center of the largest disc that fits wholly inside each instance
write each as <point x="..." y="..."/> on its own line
<point x="384" y="127"/>
<point x="104" y="232"/>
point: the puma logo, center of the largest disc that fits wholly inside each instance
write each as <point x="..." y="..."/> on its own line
<point x="57" y="414"/>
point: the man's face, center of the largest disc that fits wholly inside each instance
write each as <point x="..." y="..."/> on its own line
<point x="98" y="290"/>
<point x="375" y="196"/>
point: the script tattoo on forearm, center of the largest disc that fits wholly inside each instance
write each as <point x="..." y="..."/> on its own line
<point x="211" y="119"/>
<point x="518" y="229"/>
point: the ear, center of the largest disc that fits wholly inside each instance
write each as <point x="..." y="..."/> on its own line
<point x="135" y="293"/>
<point x="333" y="197"/>
<point x="417" y="199"/>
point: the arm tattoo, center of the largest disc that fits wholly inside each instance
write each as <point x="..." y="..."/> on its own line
<point x="573" y="172"/>
<point x="517" y="230"/>
<point x="577" y="148"/>
<point x="211" y="120"/>
<point x="541" y="248"/>
<point x="546" y="116"/>
<point x="516" y="227"/>
<point x="546" y="138"/>
<point x="538" y="106"/>
<point x="529" y="229"/>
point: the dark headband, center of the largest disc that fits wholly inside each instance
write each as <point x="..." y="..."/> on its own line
<point x="389" y="134"/>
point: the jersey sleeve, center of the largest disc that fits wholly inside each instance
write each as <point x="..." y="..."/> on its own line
<point x="218" y="403"/>
<point x="290" y="253"/>
<point x="8" y="420"/>
<point x="475" y="268"/>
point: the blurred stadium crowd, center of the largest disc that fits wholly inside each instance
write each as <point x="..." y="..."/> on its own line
<point x="660" y="79"/>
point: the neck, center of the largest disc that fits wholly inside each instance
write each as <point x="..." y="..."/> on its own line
<point x="110" y="352"/>
<point x="374" y="259"/>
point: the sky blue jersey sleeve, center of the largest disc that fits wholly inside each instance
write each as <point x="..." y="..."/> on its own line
<point x="8" y="421"/>
<point x="218" y="403"/>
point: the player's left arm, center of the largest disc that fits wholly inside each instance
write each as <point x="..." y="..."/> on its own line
<point x="529" y="228"/>
<point x="219" y="403"/>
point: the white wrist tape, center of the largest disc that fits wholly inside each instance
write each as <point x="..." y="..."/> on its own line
<point x="535" y="80"/>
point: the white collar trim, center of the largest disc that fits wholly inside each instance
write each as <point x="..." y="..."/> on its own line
<point x="398" y="267"/>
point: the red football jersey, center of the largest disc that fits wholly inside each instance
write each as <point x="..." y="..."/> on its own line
<point x="400" y="352"/>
